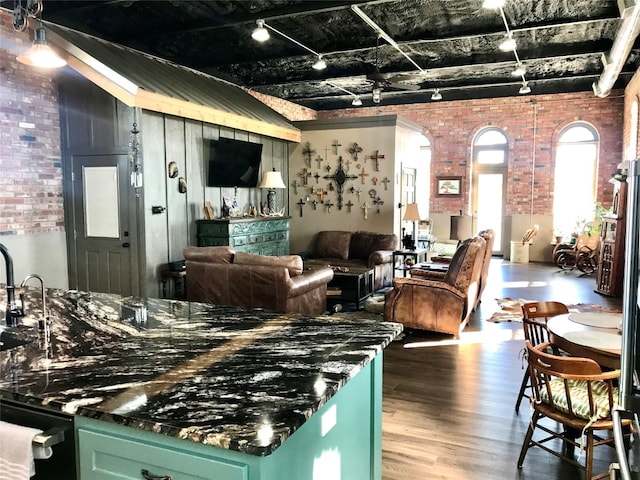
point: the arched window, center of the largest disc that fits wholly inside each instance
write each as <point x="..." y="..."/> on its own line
<point x="490" y="148"/>
<point x="575" y="179"/>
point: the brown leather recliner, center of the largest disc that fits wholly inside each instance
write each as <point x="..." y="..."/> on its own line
<point x="439" y="305"/>
<point x="488" y="236"/>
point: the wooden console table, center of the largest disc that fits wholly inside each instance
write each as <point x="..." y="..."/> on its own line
<point x="261" y="235"/>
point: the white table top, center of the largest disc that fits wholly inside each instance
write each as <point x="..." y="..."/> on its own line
<point x="592" y="337"/>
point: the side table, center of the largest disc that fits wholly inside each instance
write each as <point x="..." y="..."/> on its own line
<point x="418" y="255"/>
<point x="179" y="281"/>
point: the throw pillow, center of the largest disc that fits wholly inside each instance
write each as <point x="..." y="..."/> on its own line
<point x="333" y="244"/>
<point x="580" y="398"/>
<point x="293" y="263"/>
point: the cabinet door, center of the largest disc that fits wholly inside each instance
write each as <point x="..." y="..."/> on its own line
<point x="109" y="457"/>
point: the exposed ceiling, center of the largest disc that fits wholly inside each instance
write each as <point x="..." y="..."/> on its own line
<point x="561" y="43"/>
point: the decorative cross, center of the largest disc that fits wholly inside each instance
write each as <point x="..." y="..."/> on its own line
<point x="319" y="160"/>
<point x="357" y="191"/>
<point x="365" y="207"/>
<point x="335" y="146"/>
<point x="362" y="175"/>
<point x="300" y="204"/>
<point x="316" y="176"/>
<point x="295" y="186"/>
<point x="305" y="176"/>
<point x="331" y="186"/>
<point x="339" y="177"/>
<point x="374" y="180"/>
<point x="378" y="201"/>
<point x="385" y="180"/>
<point x="328" y="168"/>
<point x="314" y="204"/>
<point x="329" y="205"/>
<point x="354" y="150"/>
<point x="321" y="193"/>
<point x="349" y="204"/>
<point x="376" y="157"/>
<point x="308" y="151"/>
<point x="347" y="162"/>
<point x="326" y="153"/>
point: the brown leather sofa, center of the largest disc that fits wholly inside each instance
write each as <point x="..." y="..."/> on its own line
<point x="488" y="236"/>
<point x="355" y="249"/>
<point x="439" y="305"/>
<point x="221" y="276"/>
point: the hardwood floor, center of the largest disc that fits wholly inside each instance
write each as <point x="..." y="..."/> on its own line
<point x="448" y="410"/>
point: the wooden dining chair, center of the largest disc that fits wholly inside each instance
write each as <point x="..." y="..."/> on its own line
<point x="534" y="323"/>
<point x="574" y="392"/>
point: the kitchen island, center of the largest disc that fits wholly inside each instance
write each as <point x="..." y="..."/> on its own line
<point x="161" y="387"/>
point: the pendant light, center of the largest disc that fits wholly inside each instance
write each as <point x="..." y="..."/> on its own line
<point x="524" y="89"/>
<point x="436" y="95"/>
<point x="40" y="54"/>
<point x="260" y="33"/>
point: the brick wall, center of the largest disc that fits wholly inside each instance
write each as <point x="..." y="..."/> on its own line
<point x="532" y="124"/>
<point x="30" y="163"/>
<point x="290" y="111"/>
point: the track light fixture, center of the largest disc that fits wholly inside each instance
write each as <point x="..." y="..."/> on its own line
<point x="508" y="44"/>
<point x="261" y="34"/>
<point x="376" y="94"/>
<point x="356" y="102"/>
<point x="524" y="89"/>
<point x="519" y="71"/>
<point x="436" y="95"/>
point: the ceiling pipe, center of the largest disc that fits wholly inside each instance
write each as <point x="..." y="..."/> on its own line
<point x="622" y="44"/>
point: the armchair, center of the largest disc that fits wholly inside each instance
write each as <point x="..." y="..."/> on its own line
<point x="439" y="305"/>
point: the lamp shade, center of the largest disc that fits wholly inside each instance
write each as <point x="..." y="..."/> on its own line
<point x="272" y="180"/>
<point x="411" y="214"/>
<point x="461" y="227"/>
<point x="41" y="54"/>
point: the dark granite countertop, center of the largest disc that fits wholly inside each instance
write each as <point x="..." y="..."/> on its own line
<point x="210" y="374"/>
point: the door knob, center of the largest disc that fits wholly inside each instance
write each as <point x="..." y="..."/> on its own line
<point x="125" y="245"/>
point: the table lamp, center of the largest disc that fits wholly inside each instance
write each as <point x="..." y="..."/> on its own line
<point x="271" y="181"/>
<point x="461" y="227"/>
<point x="411" y="214"/>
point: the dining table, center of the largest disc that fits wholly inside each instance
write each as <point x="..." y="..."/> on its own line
<point x="594" y="335"/>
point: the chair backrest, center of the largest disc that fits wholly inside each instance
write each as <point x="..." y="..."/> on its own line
<point x="534" y="319"/>
<point x="488" y="236"/>
<point x="572" y="385"/>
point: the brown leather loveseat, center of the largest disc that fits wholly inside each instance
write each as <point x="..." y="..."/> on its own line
<point x="356" y="249"/>
<point x="221" y="276"/>
<point x="439" y="305"/>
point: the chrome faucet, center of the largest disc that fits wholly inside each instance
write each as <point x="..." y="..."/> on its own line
<point x="43" y="322"/>
<point x="13" y="313"/>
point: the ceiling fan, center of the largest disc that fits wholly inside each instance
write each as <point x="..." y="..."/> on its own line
<point x="385" y="80"/>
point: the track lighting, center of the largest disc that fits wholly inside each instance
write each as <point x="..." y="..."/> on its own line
<point x="356" y="101"/>
<point x="519" y="70"/>
<point x="492" y="4"/>
<point x="508" y="44"/>
<point x="376" y="94"/>
<point x="260" y="33"/>
<point x="320" y="64"/>
<point x="436" y="95"/>
<point x="524" y="89"/>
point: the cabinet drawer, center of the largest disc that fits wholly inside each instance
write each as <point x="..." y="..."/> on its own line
<point x="284" y="235"/>
<point x="270" y="236"/>
<point x="238" y="241"/>
<point x="255" y="238"/>
<point x="107" y="457"/>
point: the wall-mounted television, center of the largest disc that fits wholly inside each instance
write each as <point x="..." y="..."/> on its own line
<point x="234" y="163"/>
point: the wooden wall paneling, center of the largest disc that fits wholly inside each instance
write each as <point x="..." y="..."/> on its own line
<point x="155" y="226"/>
<point x="195" y="173"/>
<point x="177" y="211"/>
<point x="209" y="133"/>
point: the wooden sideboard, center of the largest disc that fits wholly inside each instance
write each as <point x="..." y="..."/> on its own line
<point x="261" y="235"/>
<point x="609" y="276"/>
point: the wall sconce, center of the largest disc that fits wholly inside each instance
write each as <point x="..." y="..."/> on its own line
<point x="271" y="181"/>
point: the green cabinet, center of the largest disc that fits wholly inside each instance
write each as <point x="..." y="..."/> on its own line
<point x="262" y="235"/>
<point x="342" y="440"/>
